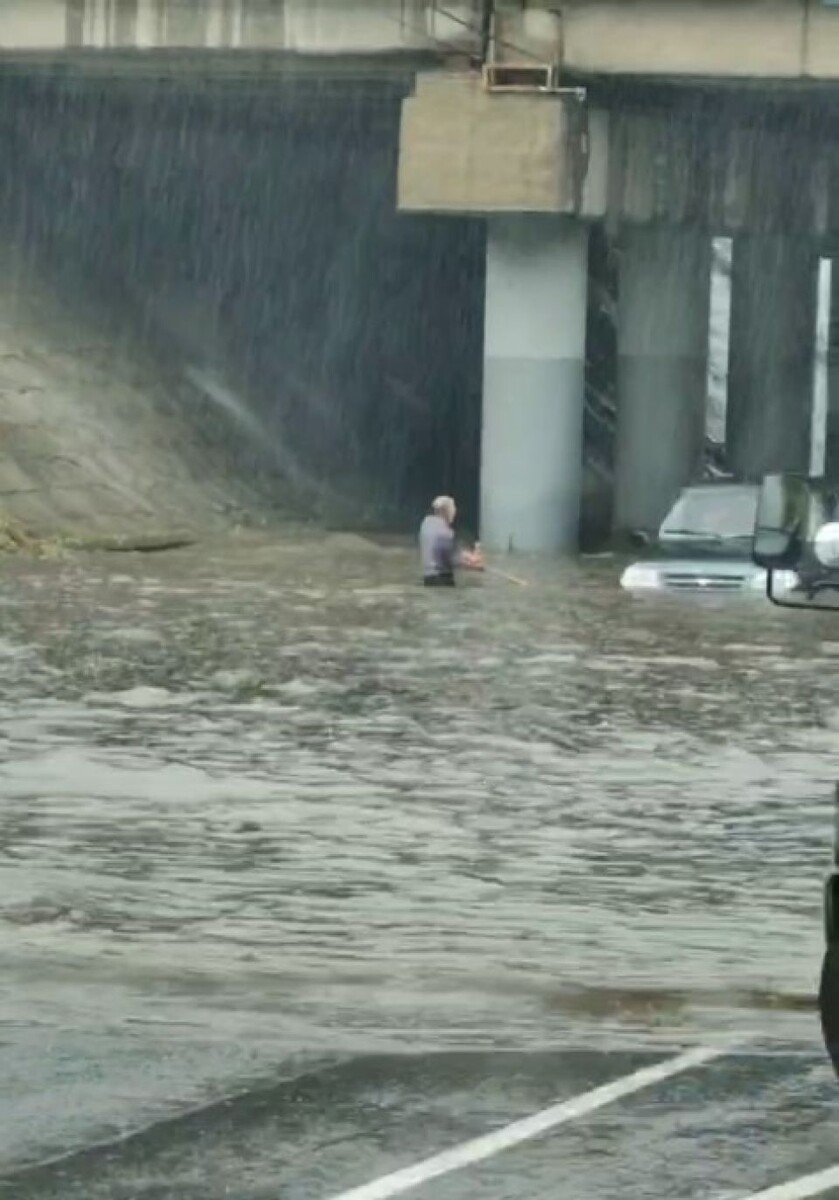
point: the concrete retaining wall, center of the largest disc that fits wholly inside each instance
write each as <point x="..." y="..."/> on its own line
<point x="243" y="249"/>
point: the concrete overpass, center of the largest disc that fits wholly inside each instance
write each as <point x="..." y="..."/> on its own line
<point x="731" y="39"/>
<point x="664" y="123"/>
<point x="672" y="124"/>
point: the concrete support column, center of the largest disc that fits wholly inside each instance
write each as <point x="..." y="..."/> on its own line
<point x="534" y="365"/>
<point x="663" y="313"/>
<point x="771" y="355"/>
<point x="832" y="448"/>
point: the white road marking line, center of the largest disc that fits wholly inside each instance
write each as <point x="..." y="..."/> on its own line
<point x="801" y="1188"/>
<point x="534" y="1126"/>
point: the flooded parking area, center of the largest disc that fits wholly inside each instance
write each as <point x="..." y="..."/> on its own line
<point x="307" y="873"/>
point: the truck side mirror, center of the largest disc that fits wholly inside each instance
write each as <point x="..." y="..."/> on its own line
<point x="796" y="540"/>
<point x="782" y="506"/>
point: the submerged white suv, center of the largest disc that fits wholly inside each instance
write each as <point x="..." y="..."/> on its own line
<point x="705" y="543"/>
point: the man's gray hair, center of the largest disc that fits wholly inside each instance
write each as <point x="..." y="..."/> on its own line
<point x="443" y="504"/>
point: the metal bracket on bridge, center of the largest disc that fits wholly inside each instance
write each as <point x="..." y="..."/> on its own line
<point x="527" y="77"/>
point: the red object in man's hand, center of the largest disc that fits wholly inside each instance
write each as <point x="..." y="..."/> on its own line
<point x="473" y="559"/>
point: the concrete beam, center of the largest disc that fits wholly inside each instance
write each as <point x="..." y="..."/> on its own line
<point x="723" y="171"/>
<point x="731" y="39"/>
<point x="466" y="150"/>
<point x="343" y="26"/>
<point x="821" y="43"/>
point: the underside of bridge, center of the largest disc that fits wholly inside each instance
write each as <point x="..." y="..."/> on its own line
<point x="663" y="170"/>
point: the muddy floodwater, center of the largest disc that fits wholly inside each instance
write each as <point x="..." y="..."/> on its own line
<point x="269" y="809"/>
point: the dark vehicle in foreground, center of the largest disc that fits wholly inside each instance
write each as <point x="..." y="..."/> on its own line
<point x="704" y="544"/>
<point x="797" y="529"/>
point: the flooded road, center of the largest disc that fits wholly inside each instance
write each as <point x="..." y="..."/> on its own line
<point x="391" y="867"/>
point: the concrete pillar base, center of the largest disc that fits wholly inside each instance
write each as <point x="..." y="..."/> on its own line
<point x="832" y="433"/>
<point x="534" y="367"/>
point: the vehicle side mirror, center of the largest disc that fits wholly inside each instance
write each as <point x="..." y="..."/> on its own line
<point x="796" y="540"/>
<point x="782" y="508"/>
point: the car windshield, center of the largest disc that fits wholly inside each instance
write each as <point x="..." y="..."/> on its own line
<point x="713" y="514"/>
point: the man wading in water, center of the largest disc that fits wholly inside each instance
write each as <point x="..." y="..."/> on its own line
<point x="437" y="547"/>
